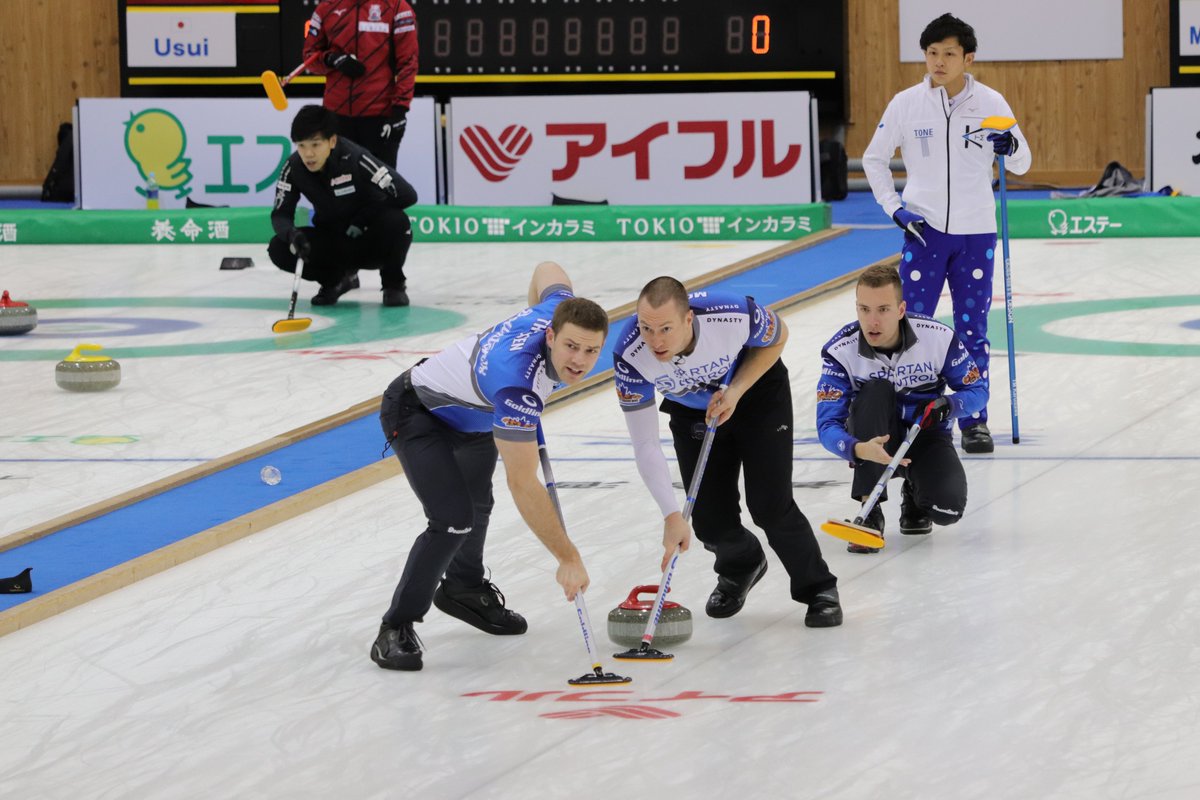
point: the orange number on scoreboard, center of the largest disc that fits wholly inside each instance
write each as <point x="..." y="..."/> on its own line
<point x="760" y="29"/>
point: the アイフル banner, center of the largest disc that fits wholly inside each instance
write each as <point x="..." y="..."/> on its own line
<point x="222" y="152"/>
<point x="721" y="148"/>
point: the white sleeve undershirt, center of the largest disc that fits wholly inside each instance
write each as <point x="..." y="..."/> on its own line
<point x="651" y="463"/>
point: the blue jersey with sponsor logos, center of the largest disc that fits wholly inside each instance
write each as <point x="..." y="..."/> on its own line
<point x="498" y="380"/>
<point x="930" y="358"/>
<point x="724" y="325"/>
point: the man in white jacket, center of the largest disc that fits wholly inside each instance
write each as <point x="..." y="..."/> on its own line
<point x="948" y="211"/>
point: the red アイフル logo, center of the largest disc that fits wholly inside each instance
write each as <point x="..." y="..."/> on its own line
<point x="495" y="158"/>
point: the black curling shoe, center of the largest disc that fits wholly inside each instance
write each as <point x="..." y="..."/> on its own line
<point x="397" y="648"/>
<point x="730" y="595"/>
<point x="481" y="606"/>
<point x="873" y="520"/>
<point x="825" y="610"/>
<point x="328" y="295"/>
<point x="914" y="520"/>
<point x="977" y="439"/>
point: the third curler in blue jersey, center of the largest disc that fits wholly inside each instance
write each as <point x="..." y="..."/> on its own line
<point x="498" y="380"/>
<point x="723" y="326"/>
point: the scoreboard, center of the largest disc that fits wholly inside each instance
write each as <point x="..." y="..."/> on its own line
<point x="511" y="47"/>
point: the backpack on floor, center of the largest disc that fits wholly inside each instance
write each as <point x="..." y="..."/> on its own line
<point x="59" y="186"/>
<point x="833" y="170"/>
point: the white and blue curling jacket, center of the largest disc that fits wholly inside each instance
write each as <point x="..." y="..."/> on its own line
<point x="498" y="380"/>
<point x="723" y="326"/>
<point x="930" y="358"/>
<point x="949" y="171"/>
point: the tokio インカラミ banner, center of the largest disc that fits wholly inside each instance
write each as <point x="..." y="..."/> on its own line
<point x="694" y="149"/>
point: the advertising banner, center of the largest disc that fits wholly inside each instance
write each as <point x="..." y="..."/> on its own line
<point x="1189" y="27"/>
<point x="1023" y="30"/>
<point x="221" y="152"/>
<point x="174" y="40"/>
<point x="433" y="224"/>
<point x="1104" y="218"/>
<point x="721" y="148"/>
<point x="1175" y="139"/>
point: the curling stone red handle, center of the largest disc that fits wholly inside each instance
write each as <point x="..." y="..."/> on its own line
<point x="650" y="589"/>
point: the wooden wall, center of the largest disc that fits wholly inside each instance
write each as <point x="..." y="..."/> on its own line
<point x="1079" y="115"/>
<point x="51" y="52"/>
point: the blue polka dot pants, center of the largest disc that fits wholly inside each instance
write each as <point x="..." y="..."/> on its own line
<point x="965" y="262"/>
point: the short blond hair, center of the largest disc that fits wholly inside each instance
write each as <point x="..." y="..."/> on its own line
<point x="881" y="275"/>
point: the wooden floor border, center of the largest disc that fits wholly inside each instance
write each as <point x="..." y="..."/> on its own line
<point x="206" y="541"/>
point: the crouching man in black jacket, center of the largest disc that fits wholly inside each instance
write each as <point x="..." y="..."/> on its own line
<point x="359" y="220"/>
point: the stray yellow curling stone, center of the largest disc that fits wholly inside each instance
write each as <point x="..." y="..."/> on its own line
<point x="80" y="373"/>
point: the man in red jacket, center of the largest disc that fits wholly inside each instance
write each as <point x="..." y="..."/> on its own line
<point x="367" y="50"/>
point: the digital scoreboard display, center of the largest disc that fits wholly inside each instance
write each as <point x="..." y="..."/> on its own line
<point x="581" y="46"/>
<point x="508" y="47"/>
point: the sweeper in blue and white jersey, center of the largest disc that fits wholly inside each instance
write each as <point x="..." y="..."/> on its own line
<point x="447" y="418"/>
<point x="879" y="376"/>
<point x="717" y="356"/>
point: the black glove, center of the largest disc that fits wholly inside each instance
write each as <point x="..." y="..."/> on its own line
<point x="939" y="410"/>
<point x="347" y="64"/>
<point x="395" y="124"/>
<point x="1003" y="144"/>
<point x="301" y="247"/>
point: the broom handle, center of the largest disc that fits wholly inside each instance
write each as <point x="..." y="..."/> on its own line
<point x="664" y="585"/>
<point x="286" y="79"/>
<point x="887" y="473"/>
<point x="581" y="613"/>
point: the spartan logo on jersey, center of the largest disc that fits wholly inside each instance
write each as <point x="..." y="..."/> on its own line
<point x="972" y="376"/>
<point x="828" y="394"/>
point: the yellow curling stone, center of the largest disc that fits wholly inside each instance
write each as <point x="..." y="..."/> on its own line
<point x="80" y="373"/>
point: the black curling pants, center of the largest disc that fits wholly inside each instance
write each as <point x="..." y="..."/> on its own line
<point x="383" y="246"/>
<point x="451" y="474"/>
<point x="757" y="443"/>
<point x="936" y="476"/>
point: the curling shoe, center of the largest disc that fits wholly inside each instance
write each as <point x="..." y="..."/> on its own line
<point x="481" y="606"/>
<point x="397" y="648"/>
<point x="824" y="610"/>
<point x="394" y="296"/>
<point x="873" y="520"/>
<point x="977" y="439"/>
<point x="328" y="295"/>
<point x="914" y="521"/>
<point x="730" y="595"/>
